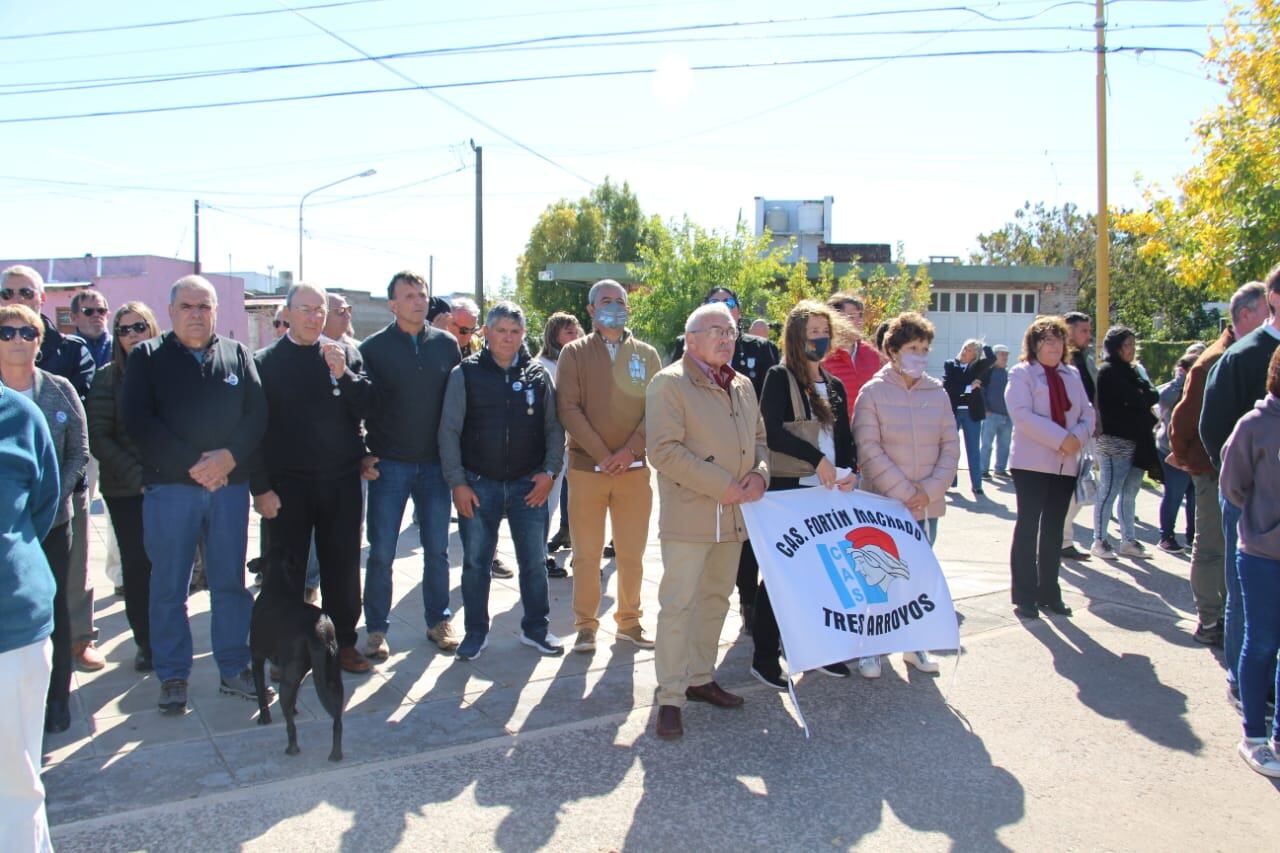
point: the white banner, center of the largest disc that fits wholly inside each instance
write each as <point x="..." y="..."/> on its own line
<point x="849" y="574"/>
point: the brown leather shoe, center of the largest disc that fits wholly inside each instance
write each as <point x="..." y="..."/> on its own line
<point x="352" y="661"/>
<point x="87" y="657"/>
<point x="668" y="725"/>
<point x="714" y="694"/>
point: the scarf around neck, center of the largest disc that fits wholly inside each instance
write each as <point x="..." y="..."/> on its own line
<point x="1059" y="402"/>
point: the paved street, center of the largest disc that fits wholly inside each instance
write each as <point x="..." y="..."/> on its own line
<point x="1108" y="731"/>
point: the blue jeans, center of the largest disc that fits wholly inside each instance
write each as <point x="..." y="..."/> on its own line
<point x="1260" y="591"/>
<point x="972" y="431"/>
<point x="1117" y="479"/>
<point x="996" y="430"/>
<point x="388" y="495"/>
<point x="479" y="539"/>
<point x="175" y="518"/>
<point x="1178" y="489"/>
<point x="1233" y="612"/>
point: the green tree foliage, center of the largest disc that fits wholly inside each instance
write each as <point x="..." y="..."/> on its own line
<point x="680" y="262"/>
<point x="607" y="225"/>
<point x="1143" y="295"/>
<point x="1222" y="227"/>
<point x="886" y="295"/>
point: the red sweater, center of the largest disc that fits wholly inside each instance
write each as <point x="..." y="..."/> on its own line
<point x="854" y="370"/>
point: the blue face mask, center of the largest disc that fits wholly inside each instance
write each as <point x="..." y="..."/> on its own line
<point x="612" y="315"/>
<point x="817" y="348"/>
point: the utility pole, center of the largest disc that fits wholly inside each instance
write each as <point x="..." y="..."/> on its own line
<point x="1104" y="226"/>
<point x="479" y="225"/>
<point x="431" y="274"/>
<point x="197" y="233"/>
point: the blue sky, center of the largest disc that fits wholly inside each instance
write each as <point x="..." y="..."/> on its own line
<point x="928" y="152"/>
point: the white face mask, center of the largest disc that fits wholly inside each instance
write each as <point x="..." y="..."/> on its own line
<point x="913" y="365"/>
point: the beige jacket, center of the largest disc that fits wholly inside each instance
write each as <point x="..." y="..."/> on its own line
<point x="701" y="440"/>
<point x="601" y="401"/>
<point x="906" y="436"/>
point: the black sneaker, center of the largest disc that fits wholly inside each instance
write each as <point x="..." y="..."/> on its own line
<point x="609" y="551"/>
<point x="173" y="696"/>
<point x="835" y="670"/>
<point x="499" y="569"/>
<point x="560" y="540"/>
<point x="241" y="685"/>
<point x="771" y="676"/>
<point x="554" y="570"/>
<point x="1170" y="546"/>
<point x="1209" y="635"/>
<point x="1071" y="552"/>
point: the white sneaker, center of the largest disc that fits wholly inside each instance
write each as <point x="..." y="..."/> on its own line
<point x="1132" y="548"/>
<point x="869" y="667"/>
<point x="375" y="647"/>
<point x="1101" y="548"/>
<point x="921" y="661"/>
<point x="1258" y="753"/>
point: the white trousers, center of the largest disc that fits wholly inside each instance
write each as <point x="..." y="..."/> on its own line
<point x="24" y="673"/>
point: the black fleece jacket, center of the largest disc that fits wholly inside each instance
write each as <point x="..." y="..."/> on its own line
<point x="775" y="409"/>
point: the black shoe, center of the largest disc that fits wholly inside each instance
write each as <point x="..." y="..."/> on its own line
<point x="119" y="591"/>
<point x="1026" y="612"/>
<point x="560" y="540"/>
<point x="835" y="670"/>
<point x="1071" y="552"/>
<point x="173" y="696"/>
<point x="609" y="552"/>
<point x="500" y="570"/>
<point x="57" y="716"/>
<point x="770" y="675"/>
<point x="748" y="612"/>
<point x="554" y="570"/>
<point x="1057" y="608"/>
<point x="142" y="661"/>
<point x="1209" y="635"/>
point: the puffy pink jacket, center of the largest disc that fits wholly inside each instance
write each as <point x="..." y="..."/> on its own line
<point x="906" y="436"/>
<point x="1036" y="437"/>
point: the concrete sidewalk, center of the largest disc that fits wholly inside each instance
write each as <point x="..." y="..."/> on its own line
<point x="1109" y="730"/>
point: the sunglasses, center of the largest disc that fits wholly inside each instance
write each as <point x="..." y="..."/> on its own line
<point x="138" y="328"/>
<point x="29" y="333"/>
<point x="279" y="324"/>
<point x="25" y="292"/>
<point x="467" y="330"/>
<point x="91" y="312"/>
<point x="728" y="302"/>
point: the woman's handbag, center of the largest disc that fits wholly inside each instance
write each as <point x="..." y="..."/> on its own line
<point x="782" y="464"/>
<point x="1087" y="480"/>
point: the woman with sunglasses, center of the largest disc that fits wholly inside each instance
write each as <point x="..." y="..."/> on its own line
<point x="20" y="338"/>
<point x="120" y="474"/>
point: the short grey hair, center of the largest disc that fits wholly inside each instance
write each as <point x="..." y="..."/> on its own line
<point x="464" y="303"/>
<point x="972" y="343"/>
<point x="605" y="284"/>
<point x="1247" y="298"/>
<point x="711" y="309"/>
<point x="302" y="286"/>
<point x="25" y="272"/>
<point x="192" y="282"/>
<point x="505" y="310"/>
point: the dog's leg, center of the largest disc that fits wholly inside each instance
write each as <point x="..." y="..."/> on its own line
<point x="289" y="704"/>
<point x="328" y="681"/>
<point x="335" y="754"/>
<point x="259" y="683"/>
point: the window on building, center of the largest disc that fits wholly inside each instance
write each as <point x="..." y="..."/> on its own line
<point x="1001" y="303"/>
<point x="988" y="302"/>
<point x="933" y="302"/>
<point x="1016" y="303"/>
<point x="944" y="301"/>
<point x="1029" y="303"/>
<point x="973" y="303"/>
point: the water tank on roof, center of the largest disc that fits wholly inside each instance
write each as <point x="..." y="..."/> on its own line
<point x="776" y="220"/>
<point x="810" y="218"/>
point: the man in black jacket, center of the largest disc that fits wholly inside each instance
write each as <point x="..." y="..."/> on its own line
<point x="501" y="446"/>
<point x="963" y="377"/>
<point x="1079" y="339"/>
<point x="408" y="363"/>
<point x="306" y="478"/>
<point x="195" y="408"/>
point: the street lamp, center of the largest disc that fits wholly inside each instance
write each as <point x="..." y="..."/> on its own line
<point x="365" y="174"/>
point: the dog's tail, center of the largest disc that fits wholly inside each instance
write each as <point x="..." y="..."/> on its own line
<point x="327" y="634"/>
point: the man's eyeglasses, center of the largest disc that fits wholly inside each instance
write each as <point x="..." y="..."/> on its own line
<point x="467" y="330"/>
<point x="279" y="324"/>
<point x="717" y="333"/>
<point x="728" y="302"/>
<point x="138" y="328"/>
<point x="9" y="293"/>
<point x="28" y="333"/>
<point x="90" y="312"/>
<point x="344" y="311"/>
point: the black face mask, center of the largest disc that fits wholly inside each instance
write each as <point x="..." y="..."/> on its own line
<point x="817" y="349"/>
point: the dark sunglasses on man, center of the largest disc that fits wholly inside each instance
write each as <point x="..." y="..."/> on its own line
<point x="466" y="330"/>
<point x="138" y="328"/>
<point x="728" y="302"/>
<point x="28" y="333"/>
<point x="25" y="292"/>
<point x="279" y="324"/>
<point x="90" y="312"/>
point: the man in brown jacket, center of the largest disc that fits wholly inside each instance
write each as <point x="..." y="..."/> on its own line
<point x="707" y="442"/>
<point x="600" y="394"/>
<point x="1208" y="587"/>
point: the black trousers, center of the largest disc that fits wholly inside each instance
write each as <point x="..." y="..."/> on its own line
<point x="748" y="575"/>
<point x="331" y="511"/>
<point x="126" y="521"/>
<point x="1036" y="553"/>
<point x="57" y="550"/>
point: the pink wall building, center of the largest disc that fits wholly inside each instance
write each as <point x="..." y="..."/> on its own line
<point x="126" y="278"/>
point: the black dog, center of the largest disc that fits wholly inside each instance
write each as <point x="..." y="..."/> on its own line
<point x="300" y="639"/>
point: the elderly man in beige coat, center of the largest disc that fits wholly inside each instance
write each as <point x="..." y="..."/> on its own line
<point x="707" y="443"/>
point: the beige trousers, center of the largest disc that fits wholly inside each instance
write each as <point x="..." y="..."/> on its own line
<point x="627" y="499"/>
<point x="697" y="578"/>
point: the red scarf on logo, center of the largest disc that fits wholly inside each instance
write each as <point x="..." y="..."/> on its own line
<point x="1059" y="402"/>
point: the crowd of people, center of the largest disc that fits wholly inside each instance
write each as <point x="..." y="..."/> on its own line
<point x="181" y="429"/>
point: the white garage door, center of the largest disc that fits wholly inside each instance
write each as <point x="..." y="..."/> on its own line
<point x="997" y="317"/>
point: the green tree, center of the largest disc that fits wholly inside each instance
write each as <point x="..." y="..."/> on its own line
<point x="1222" y="227"/>
<point x="887" y="295"/>
<point x="606" y="225"/>
<point x="680" y="262"/>
<point x="1143" y="295"/>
